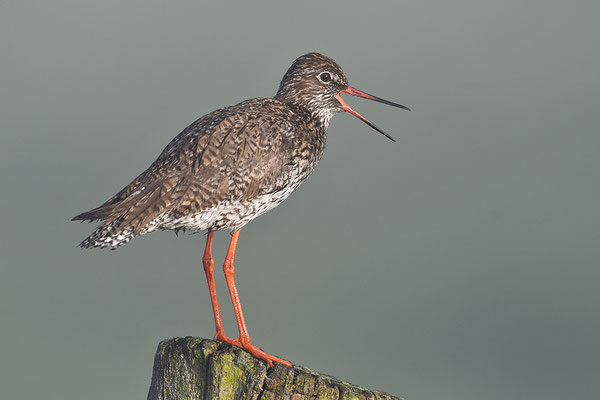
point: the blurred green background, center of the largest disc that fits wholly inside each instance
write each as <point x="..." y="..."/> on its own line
<point x="459" y="263"/>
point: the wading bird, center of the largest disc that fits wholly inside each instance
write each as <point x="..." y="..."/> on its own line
<point x="229" y="167"/>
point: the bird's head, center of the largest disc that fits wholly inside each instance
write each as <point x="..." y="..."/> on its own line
<point x="315" y="82"/>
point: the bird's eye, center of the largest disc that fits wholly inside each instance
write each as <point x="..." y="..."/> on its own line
<point x="325" y="77"/>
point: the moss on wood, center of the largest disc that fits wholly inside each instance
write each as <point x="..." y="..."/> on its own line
<point x="193" y="368"/>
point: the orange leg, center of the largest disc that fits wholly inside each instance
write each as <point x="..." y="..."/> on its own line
<point x="209" y="267"/>
<point x="244" y="340"/>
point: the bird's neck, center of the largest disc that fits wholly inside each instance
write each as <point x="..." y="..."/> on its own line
<point x="320" y="117"/>
<point x="323" y="116"/>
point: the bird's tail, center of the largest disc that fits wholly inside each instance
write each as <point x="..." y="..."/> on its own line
<point x="131" y="217"/>
<point x="109" y="234"/>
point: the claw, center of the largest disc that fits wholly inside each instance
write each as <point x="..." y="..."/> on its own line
<point x="258" y="353"/>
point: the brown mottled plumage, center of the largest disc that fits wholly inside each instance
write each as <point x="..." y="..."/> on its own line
<point x="259" y="147"/>
<point x="231" y="155"/>
<point x="232" y="165"/>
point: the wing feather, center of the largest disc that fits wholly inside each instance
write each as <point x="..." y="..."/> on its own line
<point x="225" y="155"/>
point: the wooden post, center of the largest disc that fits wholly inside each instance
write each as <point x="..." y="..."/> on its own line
<point x="194" y="368"/>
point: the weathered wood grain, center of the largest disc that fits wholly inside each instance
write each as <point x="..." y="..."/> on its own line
<point x="194" y="368"/>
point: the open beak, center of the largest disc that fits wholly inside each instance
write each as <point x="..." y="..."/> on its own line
<point x="358" y="93"/>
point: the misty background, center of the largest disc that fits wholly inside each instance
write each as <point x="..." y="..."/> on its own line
<point x="459" y="263"/>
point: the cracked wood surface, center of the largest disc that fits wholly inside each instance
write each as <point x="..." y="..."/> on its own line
<point x="194" y="368"/>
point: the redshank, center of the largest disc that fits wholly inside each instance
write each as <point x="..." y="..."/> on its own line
<point x="229" y="167"/>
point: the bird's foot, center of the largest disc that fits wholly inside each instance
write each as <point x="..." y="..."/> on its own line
<point x="220" y="335"/>
<point x="258" y="353"/>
